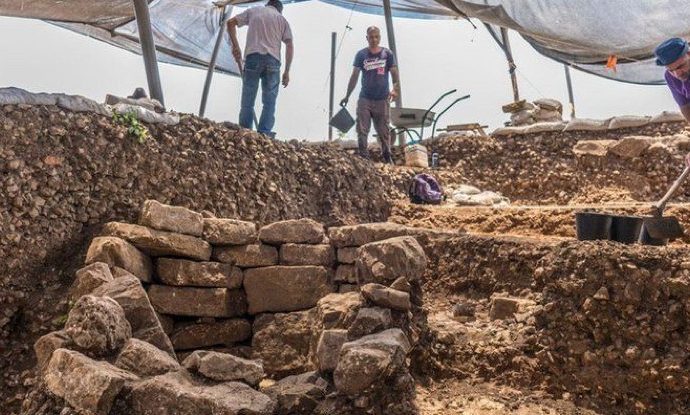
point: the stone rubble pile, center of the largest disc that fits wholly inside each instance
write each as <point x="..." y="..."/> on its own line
<point x="601" y="322"/>
<point x="203" y="315"/>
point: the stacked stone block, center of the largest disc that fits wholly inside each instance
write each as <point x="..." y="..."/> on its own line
<point x="328" y="316"/>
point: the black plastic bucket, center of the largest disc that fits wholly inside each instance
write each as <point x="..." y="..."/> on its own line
<point x="592" y="226"/>
<point x="626" y="229"/>
<point x="646" y="239"/>
<point x="342" y="120"/>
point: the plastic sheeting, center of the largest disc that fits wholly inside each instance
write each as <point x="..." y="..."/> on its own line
<point x="584" y="33"/>
<point x="581" y="33"/>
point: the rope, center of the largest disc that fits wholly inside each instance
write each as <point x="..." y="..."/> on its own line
<point x="321" y="107"/>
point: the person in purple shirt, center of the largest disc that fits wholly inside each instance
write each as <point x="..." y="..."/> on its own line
<point x="375" y="63"/>
<point x="675" y="56"/>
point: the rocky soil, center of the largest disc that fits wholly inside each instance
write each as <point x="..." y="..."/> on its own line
<point x="64" y="174"/>
<point x="533" y="322"/>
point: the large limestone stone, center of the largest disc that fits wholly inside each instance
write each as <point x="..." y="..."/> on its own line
<point x="197" y="335"/>
<point x="283" y="288"/>
<point x="283" y="342"/>
<point x="247" y="256"/>
<point x="370" y="320"/>
<point x="89" y="278"/>
<point x="338" y="311"/>
<point x="229" y="232"/>
<point x="85" y="384"/>
<point x="386" y="297"/>
<point x="181" y="272"/>
<point x="225" y="367"/>
<point x="503" y="308"/>
<point x="98" y="326"/>
<point x="303" y="254"/>
<point x="117" y="252"/>
<point x="298" y="394"/>
<point x="630" y="147"/>
<point x="197" y="302"/>
<point x="328" y="349"/>
<point x="127" y="290"/>
<point x="371" y="359"/>
<point x="47" y="344"/>
<point x="176" y="393"/>
<point x="296" y="231"/>
<point x="177" y="219"/>
<point x="145" y="359"/>
<point x="347" y="255"/>
<point x="160" y="243"/>
<point x="358" y="235"/>
<point x="596" y="148"/>
<point x="385" y="261"/>
<point x="346" y="273"/>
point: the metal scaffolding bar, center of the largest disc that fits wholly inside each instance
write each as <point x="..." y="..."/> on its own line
<point x="571" y="98"/>
<point x="212" y="64"/>
<point x="331" y="95"/>
<point x="148" y="49"/>
<point x="511" y="63"/>
<point x="388" y="13"/>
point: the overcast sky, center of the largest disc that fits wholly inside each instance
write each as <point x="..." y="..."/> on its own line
<point x="435" y="56"/>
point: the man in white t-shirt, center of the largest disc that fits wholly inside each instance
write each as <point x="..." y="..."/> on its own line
<point x="267" y="30"/>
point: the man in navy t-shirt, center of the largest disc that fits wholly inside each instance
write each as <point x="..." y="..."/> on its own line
<point x="375" y="63"/>
<point x="674" y="55"/>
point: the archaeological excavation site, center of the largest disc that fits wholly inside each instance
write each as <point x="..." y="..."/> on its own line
<point x="207" y="269"/>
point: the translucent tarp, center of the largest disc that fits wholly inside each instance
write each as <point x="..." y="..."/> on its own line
<point x="582" y="33"/>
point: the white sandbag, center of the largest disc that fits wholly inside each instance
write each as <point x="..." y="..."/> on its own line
<point x="416" y="155"/>
<point x="587" y="124"/>
<point x="628" y="121"/>
<point x="542" y="115"/>
<point x="549" y="104"/>
<point x="78" y="103"/>
<point x="505" y="131"/>
<point x="16" y="96"/>
<point x="667" y="116"/>
<point x="467" y="189"/>
<point x="543" y="127"/>
<point x="524" y="117"/>
<point x="148" y="103"/>
<point x="148" y="116"/>
<point x="486" y="198"/>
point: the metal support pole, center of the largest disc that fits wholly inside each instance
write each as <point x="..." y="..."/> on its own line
<point x="212" y="63"/>
<point x="148" y="49"/>
<point x="571" y="98"/>
<point x="388" y="13"/>
<point x="511" y="63"/>
<point x="331" y="95"/>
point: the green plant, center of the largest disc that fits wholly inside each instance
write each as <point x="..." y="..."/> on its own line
<point x="134" y="127"/>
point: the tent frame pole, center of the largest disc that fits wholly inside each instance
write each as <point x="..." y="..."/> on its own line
<point x="331" y="92"/>
<point x="504" y="43"/>
<point x="511" y="64"/>
<point x="148" y="49"/>
<point x="212" y="64"/>
<point x="388" y="13"/>
<point x="569" y="83"/>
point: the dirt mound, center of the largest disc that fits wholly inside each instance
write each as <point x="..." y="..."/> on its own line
<point x="65" y="173"/>
<point x="543" y="169"/>
<point x="601" y="324"/>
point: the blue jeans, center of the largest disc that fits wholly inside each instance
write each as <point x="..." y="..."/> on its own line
<point x="264" y="68"/>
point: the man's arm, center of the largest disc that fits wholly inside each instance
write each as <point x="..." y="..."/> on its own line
<point x="289" y="53"/>
<point x="395" y="92"/>
<point x="351" y="85"/>
<point x="236" y="51"/>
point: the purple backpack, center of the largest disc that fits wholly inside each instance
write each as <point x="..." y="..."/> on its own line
<point x="425" y="189"/>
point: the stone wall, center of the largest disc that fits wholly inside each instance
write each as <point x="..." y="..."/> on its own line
<point x="286" y="318"/>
